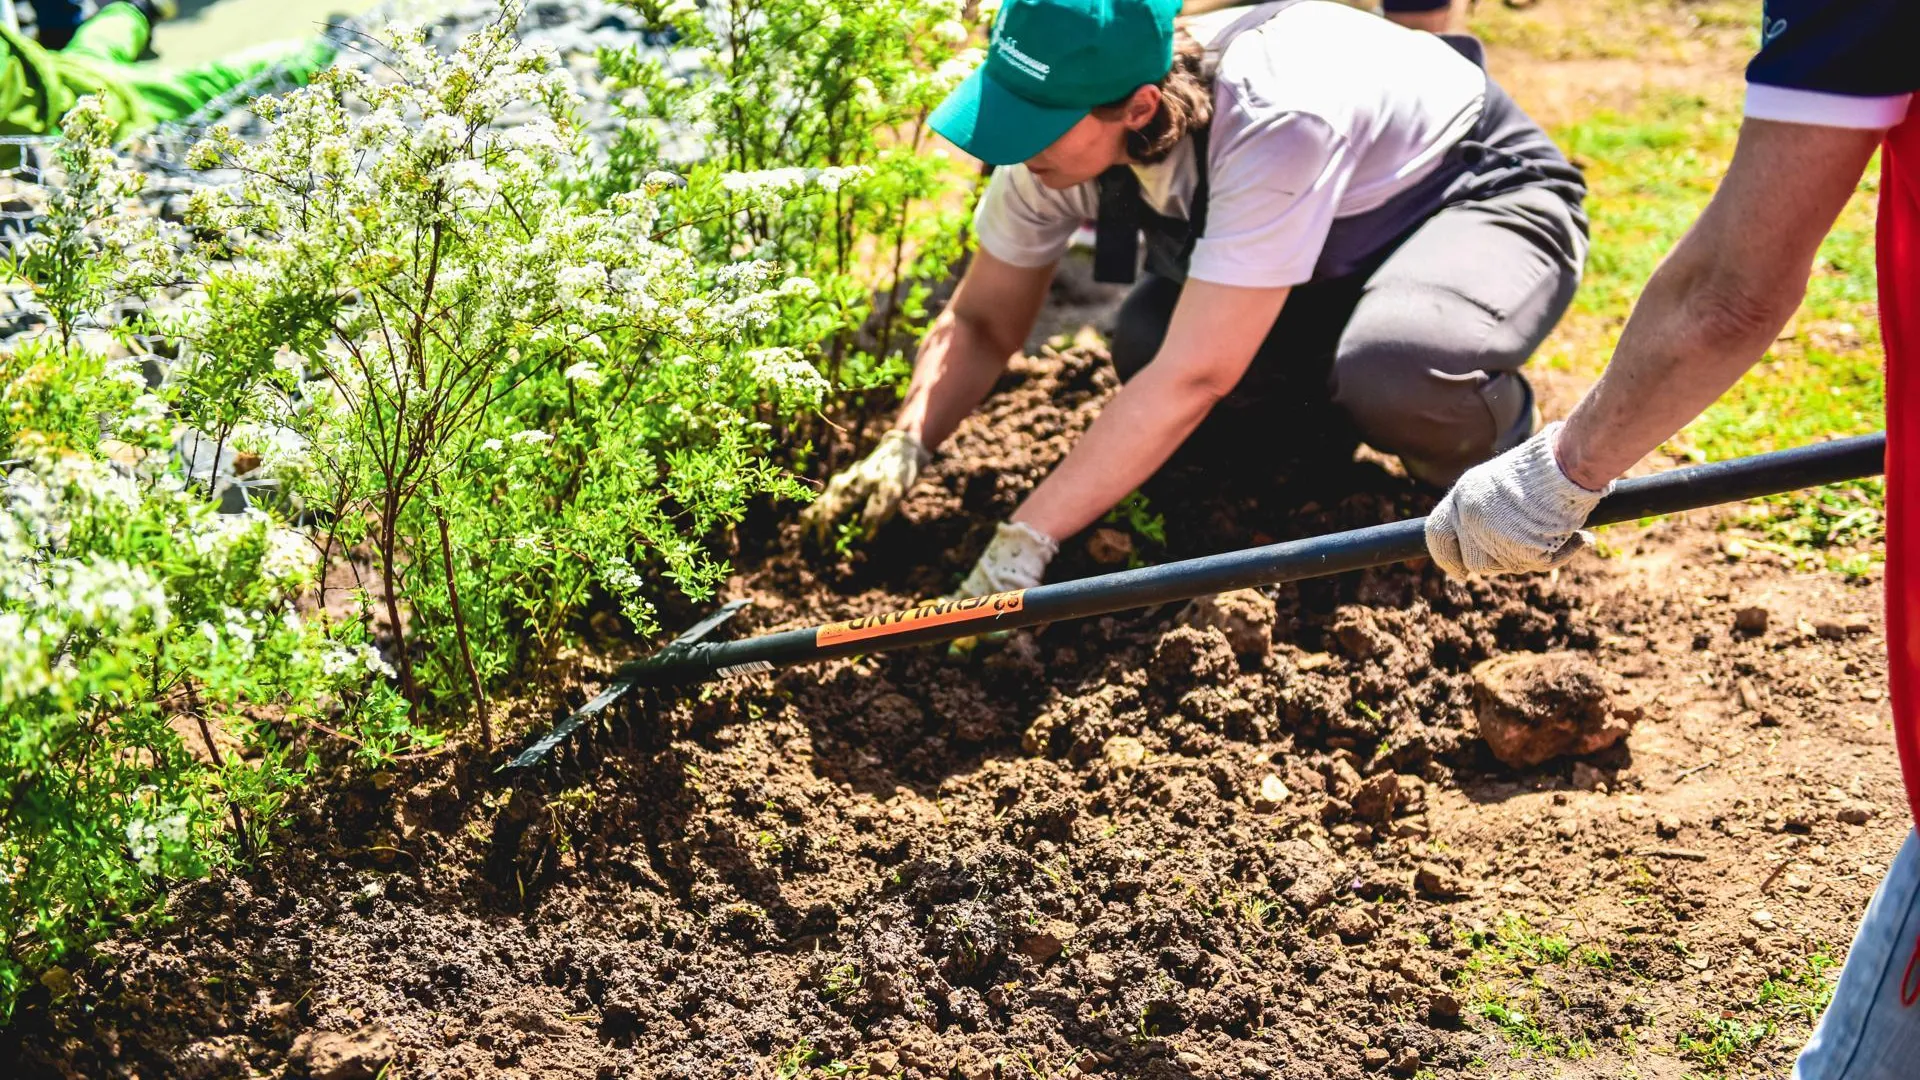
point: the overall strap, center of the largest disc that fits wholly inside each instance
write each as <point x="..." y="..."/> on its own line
<point x="1116" y="233"/>
<point x="1123" y="213"/>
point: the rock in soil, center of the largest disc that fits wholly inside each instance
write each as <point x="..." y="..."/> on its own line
<point x="1433" y="879"/>
<point x="1534" y="707"/>
<point x="1751" y="620"/>
<point x="1109" y="547"/>
<point x="336" y="1055"/>
<point x="1245" y="616"/>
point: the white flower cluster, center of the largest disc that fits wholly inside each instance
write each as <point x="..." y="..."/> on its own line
<point x="792" y="378"/>
<point x="586" y="373"/>
<point x="768" y="188"/>
<point x="91" y="554"/>
<point x="150" y="837"/>
<point x="354" y="660"/>
<point x="94" y="243"/>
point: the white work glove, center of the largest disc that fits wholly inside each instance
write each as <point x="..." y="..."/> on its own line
<point x="1016" y="559"/>
<point x="870" y="491"/>
<point x="1516" y="514"/>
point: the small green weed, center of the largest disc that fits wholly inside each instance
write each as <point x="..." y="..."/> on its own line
<point x="1500" y="983"/>
<point x="1134" y="513"/>
<point x="1717" y="1041"/>
<point x="795" y="1060"/>
<point x="1790" y="1000"/>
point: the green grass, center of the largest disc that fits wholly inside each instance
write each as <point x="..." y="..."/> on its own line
<point x="1782" y="1012"/>
<point x="1501" y="983"/>
<point x="1651" y="170"/>
<point x="1621" y="29"/>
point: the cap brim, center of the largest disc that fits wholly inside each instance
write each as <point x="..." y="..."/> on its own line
<point x="997" y="125"/>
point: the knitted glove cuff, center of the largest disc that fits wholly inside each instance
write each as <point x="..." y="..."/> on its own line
<point x="1034" y="536"/>
<point x="1539" y="473"/>
<point x="921" y="455"/>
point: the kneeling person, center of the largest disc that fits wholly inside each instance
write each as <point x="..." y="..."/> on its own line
<point x="1343" y="219"/>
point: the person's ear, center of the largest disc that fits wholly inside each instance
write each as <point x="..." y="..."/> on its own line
<point x="1141" y="107"/>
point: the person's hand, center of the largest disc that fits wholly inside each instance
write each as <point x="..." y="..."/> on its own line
<point x="868" y="493"/>
<point x="1016" y="558"/>
<point x="1516" y="514"/>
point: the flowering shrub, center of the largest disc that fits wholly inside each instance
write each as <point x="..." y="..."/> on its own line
<point x="511" y="395"/>
<point x="810" y="148"/>
<point x="89" y="249"/>
<point x="144" y="641"/>
<point x="440" y="346"/>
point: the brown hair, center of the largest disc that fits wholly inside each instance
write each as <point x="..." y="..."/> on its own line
<point x="1186" y="103"/>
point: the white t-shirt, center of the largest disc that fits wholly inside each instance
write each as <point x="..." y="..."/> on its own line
<point x="1321" y="112"/>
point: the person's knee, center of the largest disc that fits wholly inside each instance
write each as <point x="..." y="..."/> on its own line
<point x="1405" y="357"/>
<point x="1141" y="324"/>
<point x="1431" y="377"/>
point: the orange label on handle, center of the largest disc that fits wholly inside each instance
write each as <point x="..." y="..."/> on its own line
<point x="931" y="613"/>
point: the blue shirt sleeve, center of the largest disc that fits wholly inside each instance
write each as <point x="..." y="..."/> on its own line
<point x="1864" y="48"/>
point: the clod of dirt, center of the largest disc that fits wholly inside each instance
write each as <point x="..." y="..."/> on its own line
<point x="1187" y="655"/>
<point x="1049" y="942"/>
<point x="58" y="981"/>
<point x="1855" y="814"/>
<point x="1109" y="547"/>
<point x="1311" y="891"/>
<point x="1124" y="752"/>
<point x="1359" y="634"/>
<point x="1343" y="780"/>
<point x="1355" y="925"/>
<point x="1831" y="629"/>
<point x="1245" y="616"/>
<point x="1377" y="798"/>
<point x="1436" y="880"/>
<point x="1536" y="706"/>
<point x="1751" y="620"/>
<point x="340" y="1055"/>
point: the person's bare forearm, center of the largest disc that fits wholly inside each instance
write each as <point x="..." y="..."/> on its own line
<point x="969" y="344"/>
<point x="1684" y="345"/>
<point x="957" y="365"/>
<point x="1711" y="310"/>
<point x="1134" y="435"/>
<point x="1212" y="338"/>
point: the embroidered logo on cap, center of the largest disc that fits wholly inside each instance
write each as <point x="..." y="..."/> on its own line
<point x="1011" y="50"/>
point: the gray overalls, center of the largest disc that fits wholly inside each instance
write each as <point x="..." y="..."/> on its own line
<point x="1419" y="313"/>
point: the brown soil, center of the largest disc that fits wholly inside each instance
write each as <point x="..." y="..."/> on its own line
<point x="1244" y="839"/>
<point x="1256" y="838"/>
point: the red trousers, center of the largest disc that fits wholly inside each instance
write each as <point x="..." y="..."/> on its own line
<point x="1899" y="270"/>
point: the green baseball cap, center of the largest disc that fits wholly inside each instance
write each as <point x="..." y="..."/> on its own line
<point x="1048" y="64"/>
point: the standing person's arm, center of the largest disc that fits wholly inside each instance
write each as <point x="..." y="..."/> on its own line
<point x="1712" y="308"/>
<point x="1707" y="315"/>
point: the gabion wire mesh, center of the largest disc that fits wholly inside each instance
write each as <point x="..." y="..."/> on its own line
<point x="29" y="164"/>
